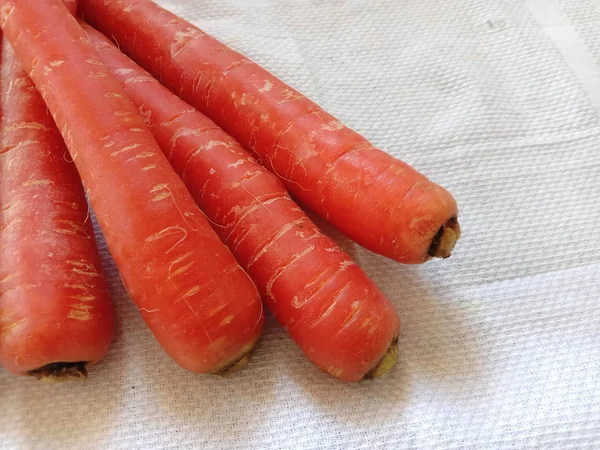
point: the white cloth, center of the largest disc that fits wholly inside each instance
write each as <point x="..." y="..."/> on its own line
<point x="498" y="101"/>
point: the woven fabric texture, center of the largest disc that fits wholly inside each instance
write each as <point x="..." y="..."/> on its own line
<point x="498" y="101"/>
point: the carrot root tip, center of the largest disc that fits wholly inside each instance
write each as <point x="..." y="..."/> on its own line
<point x="386" y="363"/>
<point x="61" y="371"/>
<point x="239" y="363"/>
<point x="444" y="241"/>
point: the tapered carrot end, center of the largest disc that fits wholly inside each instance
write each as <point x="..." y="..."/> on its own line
<point x="386" y="363"/>
<point x="444" y="241"/>
<point x="61" y="371"/>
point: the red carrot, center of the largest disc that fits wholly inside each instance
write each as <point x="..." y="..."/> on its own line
<point x="338" y="316"/>
<point x="375" y="199"/>
<point x="201" y="306"/>
<point x="56" y="319"/>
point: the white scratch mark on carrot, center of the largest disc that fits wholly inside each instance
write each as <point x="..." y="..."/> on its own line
<point x="335" y="371"/>
<point x="81" y="287"/>
<point x="217" y="310"/>
<point x="142" y="156"/>
<point x="330" y="308"/>
<point x="267" y="87"/>
<point x="181" y="270"/>
<point x="56" y="63"/>
<point x="37" y="182"/>
<point x="286" y="228"/>
<point x="140" y="79"/>
<point x="149" y="310"/>
<point x="227" y="320"/>
<point x="125" y="149"/>
<point x="84" y="298"/>
<point x="8" y="278"/>
<point x="83" y="268"/>
<point x="193" y="291"/>
<point x="169" y="231"/>
<point x="80" y="312"/>
<point x="96" y="74"/>
<point x="27" y="126"/>
<point x="239" y="162"/>
<point x="149" y="167"/>
<point x="123" y="71"/>
<point x="281" y="270"/>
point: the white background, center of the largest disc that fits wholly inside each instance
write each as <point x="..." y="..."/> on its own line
<point x="498" y="101"/>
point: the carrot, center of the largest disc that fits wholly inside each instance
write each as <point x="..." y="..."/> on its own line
<point x="56" y="319"/>
<point x="375" y="199"/>
<point x="200" y="305"/>
<point x="337" y="315"/>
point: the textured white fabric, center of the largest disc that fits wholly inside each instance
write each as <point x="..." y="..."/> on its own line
<point x="499" y="101"/>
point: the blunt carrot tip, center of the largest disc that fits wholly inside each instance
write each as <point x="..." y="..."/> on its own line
<point x="444" y="241"/>
<point x="61" y="371"/>
<point x="235" y="367"/>
<point x="239" y="363"/>
<point x="386" y="363"/>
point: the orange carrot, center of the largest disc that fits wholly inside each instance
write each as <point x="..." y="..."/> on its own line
<point x="200" y="305"/>
<point x="337" y="315"/>
<point x="375" y="199"/>
<point x="56" y="319"/>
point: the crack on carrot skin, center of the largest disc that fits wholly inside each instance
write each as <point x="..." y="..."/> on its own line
<point x="343" y="266"/>
<point x="281" y="270"/>
<point x="355" y="308"/>
<point x="168" y="232"/>
<point x="169" y="122"/>
<point x="216" y="310"/>
<point x="142" y="155"/>
<point x="238" y="241"/>
<point x="80" y="311"/>
<point x="125" y="149"/>
<point x="263" y="248"/>
<point x="73" y="205"/>
<point x="18" y="145"/>
<point x="83" y="268"/>
<point x="27" y="126"/>
<point x="328" y="307"/>
<point x="22" y="287"/>
<point x="9" y="277"/>
<point x="250" y="209"/>
<point x="183" y="39"/>
<point x="83" y="298"/>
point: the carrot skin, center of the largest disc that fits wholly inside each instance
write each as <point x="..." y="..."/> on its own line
<point x="337" y="315"/>
<point x="54" y="302"/>
<point x="375" y="199"/>
<point x="200" y="305"/>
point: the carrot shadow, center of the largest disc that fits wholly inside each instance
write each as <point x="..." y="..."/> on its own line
<point x="236" y="403"/>
<point x="71" y="414"/>
<point x="438" y="354"/>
